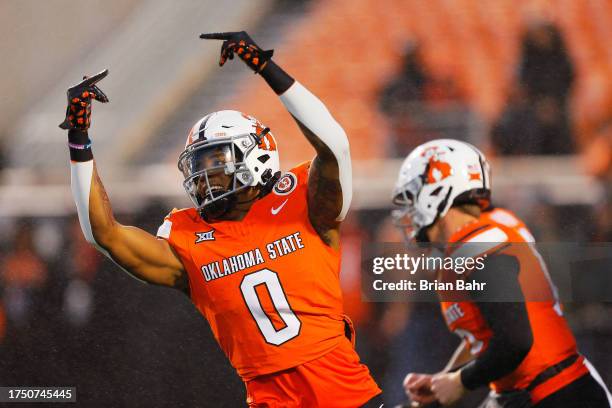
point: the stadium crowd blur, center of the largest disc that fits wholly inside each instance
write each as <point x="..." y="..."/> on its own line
<point x="67" y="314"/>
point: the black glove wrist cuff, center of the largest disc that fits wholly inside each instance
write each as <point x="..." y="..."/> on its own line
<point x="276" y="77"/>
<point x="79" y="145"/>
<point x="468" y="378"/>
<point x="78" y="136"/>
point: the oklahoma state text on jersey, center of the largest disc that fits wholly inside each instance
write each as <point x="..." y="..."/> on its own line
<point x="268" y="285"/>
<point x="553" y="341"/>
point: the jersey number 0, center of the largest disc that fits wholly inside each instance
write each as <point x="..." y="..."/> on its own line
<point x="279" y="300"/>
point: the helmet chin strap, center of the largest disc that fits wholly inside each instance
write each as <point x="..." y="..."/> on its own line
<point x="269" y="181"/>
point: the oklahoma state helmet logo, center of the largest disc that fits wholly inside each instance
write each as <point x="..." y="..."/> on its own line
<point x="437" y="170"/>
<point x="286" y="184"/>
<point x="267" y="142"/>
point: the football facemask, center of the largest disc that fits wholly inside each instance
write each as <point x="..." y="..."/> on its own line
<point x="406" y="218"/>
<point x="214" y="172"/>
<point x="223" y="145"/>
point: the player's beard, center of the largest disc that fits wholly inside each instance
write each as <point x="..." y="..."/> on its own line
<point x="237" y="201"/>
<point x="218" y="208"/>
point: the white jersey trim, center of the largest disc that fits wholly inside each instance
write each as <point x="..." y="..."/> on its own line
<point x="487" y="240"/>
<point x="494" y="235"/>
<point x="164" y="230"/>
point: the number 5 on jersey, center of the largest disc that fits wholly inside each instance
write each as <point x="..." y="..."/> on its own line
<point x="279" y="300"/>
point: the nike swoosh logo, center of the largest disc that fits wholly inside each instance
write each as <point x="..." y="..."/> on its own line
<point x="276" y="210"/>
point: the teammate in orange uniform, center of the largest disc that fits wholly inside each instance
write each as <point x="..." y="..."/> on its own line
<point x="523" y="350"/>
<point x="259" y="254"/>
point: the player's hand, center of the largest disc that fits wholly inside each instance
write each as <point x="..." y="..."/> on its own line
<point x="239" y="43"/>
<point x="418" y="389"/>
<point x="447" y="387"/>
<point x="78" y="112"/>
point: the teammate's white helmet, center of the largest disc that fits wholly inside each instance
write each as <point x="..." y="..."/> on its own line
<point x="243" y="147"/>
<point x="435" y="176"/>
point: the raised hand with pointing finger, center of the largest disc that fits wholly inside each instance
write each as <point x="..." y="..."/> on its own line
<point x="78" y="112"/>
<point x="239" y="43"/>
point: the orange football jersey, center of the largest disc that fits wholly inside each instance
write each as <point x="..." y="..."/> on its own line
<point x="553" y="341"/>
<point x="268" y="285"/>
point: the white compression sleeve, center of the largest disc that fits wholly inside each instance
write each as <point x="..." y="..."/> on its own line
<point x="80" y="183"/>
<point x="313" y="114"/>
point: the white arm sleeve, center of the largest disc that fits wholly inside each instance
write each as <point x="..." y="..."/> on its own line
<point x="80" y="183"/>
<point x="313" y="114"/>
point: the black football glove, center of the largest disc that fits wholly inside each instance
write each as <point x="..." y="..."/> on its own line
<point x="78" y="112"/>
<point x="241" y="44"/>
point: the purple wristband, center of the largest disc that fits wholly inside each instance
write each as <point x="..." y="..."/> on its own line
<point x="79" y="146"/>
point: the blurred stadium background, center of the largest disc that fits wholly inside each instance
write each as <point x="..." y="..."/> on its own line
<point x="529" y="82"/>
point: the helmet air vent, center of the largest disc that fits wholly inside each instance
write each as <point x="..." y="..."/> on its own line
<point x="436" y="191"/>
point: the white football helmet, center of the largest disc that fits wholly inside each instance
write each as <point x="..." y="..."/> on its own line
<point x="434" y="177"/>
<point x="234" y="143"/>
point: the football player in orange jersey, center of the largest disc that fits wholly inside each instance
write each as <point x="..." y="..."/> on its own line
<point x="259" y="253"/>
<point x="523" y="350"/>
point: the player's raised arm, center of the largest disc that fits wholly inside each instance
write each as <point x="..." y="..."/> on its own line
<point x="330" y="183"/>
<point x="138" y="252"/>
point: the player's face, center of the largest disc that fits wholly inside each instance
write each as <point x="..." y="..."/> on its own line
<point x="406" y="216"/>
<point x="402" y="219"/>
<point x="212" y="172"/>
<point x="218" y="166"/>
